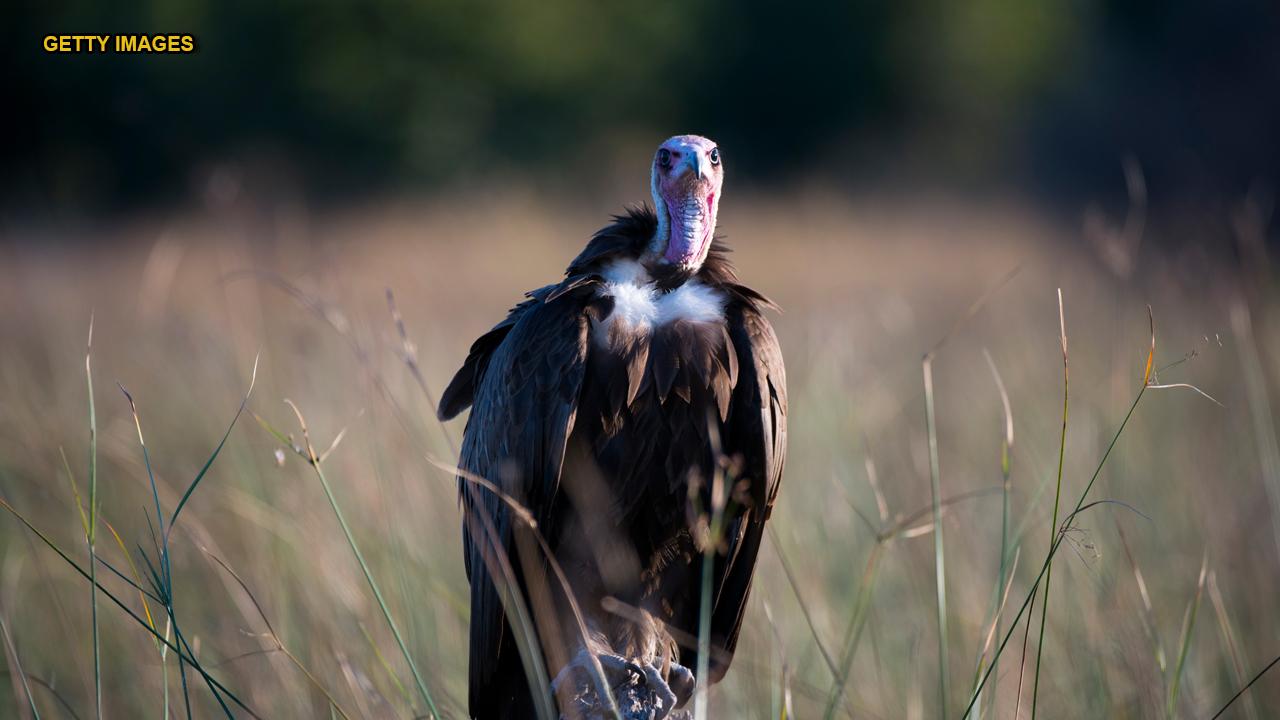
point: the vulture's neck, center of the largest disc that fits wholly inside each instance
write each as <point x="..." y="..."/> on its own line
<point x="691" y="221"/>
<point x="633" y="237"/>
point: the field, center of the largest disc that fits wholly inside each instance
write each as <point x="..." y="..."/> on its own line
<point x="1162" y="601"/>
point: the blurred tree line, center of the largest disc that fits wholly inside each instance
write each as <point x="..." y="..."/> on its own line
<point x="1046" y="95"/>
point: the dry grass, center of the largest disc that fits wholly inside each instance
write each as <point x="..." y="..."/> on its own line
<point x="290" y="626"/>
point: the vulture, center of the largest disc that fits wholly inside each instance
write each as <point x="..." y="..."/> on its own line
<point x="612" y="414"/>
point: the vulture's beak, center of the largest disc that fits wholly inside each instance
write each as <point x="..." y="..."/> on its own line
<point x="695" y="164"/>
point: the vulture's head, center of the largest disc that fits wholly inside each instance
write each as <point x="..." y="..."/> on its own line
<point x="685" y="182"/>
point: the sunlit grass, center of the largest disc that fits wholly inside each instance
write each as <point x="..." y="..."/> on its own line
<point x="904" y="509"/>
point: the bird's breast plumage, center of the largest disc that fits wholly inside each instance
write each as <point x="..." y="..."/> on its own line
<point x="660" y="367"/>
<point x="636" y="306"/>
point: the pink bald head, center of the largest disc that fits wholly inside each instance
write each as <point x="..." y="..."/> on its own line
<point x="686" y="180"/>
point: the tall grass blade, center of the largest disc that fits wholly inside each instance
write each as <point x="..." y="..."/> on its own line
<point x="15" y="666"/>
<point x="1260" y="410"/>
<point x="939" y="555"/>
<point x="314" y="461"/>
<point x="1245" y="689"/>
<point x="75" y="492"/>
<point x="386" y="666"/>
<point x="1022" y="659"/>
<point x="1188" y="626"/>
<point x="164" y="667"/>
<point x="1148" y="612"/>
<point x="1057" y="497"/>
<point x="715" y="533"/>
<point x="209" y="463"/>
<point x="804" y="606"/>
<point x="1006" y="453"/>
<point x="1084" y="495"/>
<point x="704" y="634"/>
<point x="1001" y="599"/>
<point x="497" y="562"/>
<point x="91" y="537"/>
<point x="162" y="571"/>
<point x="275" y="637"/>
<point x="1229" y="639"/>
<point x="182" y="642"/>
<point x="189" y="658"/>
<point x="861" y="607"/>
<point x="146" y="456"/>
<point x="133" y="569"/>
<point x="500" y="571"/>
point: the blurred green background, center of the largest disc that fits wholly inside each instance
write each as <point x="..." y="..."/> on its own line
<point x="348" y="98"/>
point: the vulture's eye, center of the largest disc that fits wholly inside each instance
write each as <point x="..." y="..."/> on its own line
<point x="664" y="158"/>
<point x="715" y="156"/>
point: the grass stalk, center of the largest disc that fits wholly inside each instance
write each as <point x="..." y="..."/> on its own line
<point x="275" y="638"/>
<point x="15" y="666"/>
<point x="903" y="526"/>
<point x="163" y="576"/>
<point x="161" y="570"/>
<point x="1053" y="550"/>
<point x="939" y="546"/>
<point x="1245" y="689"/>
<point x="91" y="533"/>
<point x="514" y="605"/>
<point x="481" y="527"/>
<point x="794" y="582"/>
<point x="314" y="461"/>
<point x="1227" y="628"/>
<point x="853" y="633"/>
<point x="1188" y="626"/>
<point x="1080" y="507"/>
<point x="176" y="647"/>
<point x="1057" y="497"/>
<point x="704" y="633"/>
<point x="1001" y="599"/>
<point x="999" y="602"/>
<point x="164" y="668"/>
<point x="146" y="609"/>
<point x="164" y="554"/>
<point x="1260" y="410"/>
<point x="1022" y="659"/>
<point x="712" y="543"/>
<point x="1006" y="451"/>
<point x="386" y="666"/>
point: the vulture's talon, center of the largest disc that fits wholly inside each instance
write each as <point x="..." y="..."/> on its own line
<point x="681" y="681"/>
<point x="661" y="690"/>
<point x="618" y="671"/>
<point x="640" y="691"/>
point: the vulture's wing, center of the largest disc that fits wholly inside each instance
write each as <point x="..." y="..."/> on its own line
<point x="756" y="431"/>
<point x="523" y="379"/>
